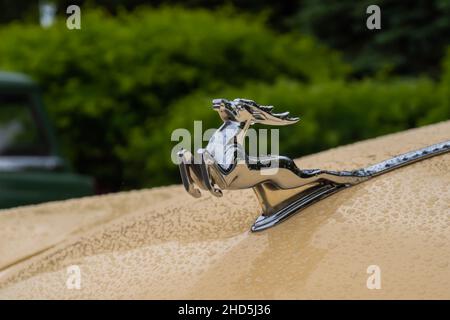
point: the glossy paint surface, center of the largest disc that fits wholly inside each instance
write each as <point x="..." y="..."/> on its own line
<point x="161" y="243"/>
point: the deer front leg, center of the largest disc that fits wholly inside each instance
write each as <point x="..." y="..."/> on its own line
<point x="186" y="160"/>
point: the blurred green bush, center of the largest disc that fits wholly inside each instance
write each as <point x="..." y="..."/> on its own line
<point x="411" y="41"/>
<point x="119" y="74"/>
<point x="117" y="88"/>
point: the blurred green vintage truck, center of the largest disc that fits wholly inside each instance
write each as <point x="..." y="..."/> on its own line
<point x="31" y="168"/>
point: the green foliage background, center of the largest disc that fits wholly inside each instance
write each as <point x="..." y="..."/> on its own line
<point x="118" y="88"/>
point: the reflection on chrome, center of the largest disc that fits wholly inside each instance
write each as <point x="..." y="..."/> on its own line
<point x="281" y="187"/>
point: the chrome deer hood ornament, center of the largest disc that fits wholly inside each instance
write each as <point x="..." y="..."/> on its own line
<point x="282" y="192"/>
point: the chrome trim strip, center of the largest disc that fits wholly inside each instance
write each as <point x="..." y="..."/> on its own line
<point x="407" y="158"/>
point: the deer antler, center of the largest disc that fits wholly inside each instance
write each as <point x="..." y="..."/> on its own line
<point x="264" y="115"/>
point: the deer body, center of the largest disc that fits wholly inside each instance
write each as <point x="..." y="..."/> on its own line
<point x="223" y="164"/>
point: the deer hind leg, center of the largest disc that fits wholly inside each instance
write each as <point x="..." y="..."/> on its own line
<point x="342" y="177"/>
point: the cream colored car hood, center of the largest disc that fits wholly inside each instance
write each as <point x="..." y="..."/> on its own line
<point x="161" y="243"/>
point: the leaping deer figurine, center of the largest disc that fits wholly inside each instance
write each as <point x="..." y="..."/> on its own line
<point x="223" y="164"/>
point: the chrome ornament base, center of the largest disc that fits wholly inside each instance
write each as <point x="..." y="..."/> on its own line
<point x="301" y="201"/>
<point x="290" y="189"/>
